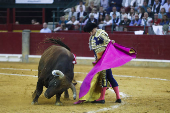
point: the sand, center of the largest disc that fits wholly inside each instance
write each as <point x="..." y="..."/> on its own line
<point x="143" y="90"/>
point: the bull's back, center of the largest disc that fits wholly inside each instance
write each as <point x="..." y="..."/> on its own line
<point x="52" y="56"/>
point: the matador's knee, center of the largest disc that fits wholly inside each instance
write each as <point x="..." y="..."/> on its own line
<point x="103" y="81"/>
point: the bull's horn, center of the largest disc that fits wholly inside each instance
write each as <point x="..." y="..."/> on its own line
<point x="74" y="91"/>
<point x="57" y="73"/>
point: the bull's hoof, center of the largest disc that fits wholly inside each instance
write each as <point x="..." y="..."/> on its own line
<point x="34" y="103"/>
<point x="58" y="103"/>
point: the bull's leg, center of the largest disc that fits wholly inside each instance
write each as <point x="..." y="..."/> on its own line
<point x="58" y="102"/>
<point x="66" y="95"/>
<point x="37" y="92"/>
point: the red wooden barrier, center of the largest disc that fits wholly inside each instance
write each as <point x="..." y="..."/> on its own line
<point x="77" y="42"/>
<point x="10" y="43"/>
<point x="3" y="27"/>
<point x="147" y="46"/>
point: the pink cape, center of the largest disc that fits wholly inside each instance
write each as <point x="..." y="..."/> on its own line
<point x="115" y="55"/>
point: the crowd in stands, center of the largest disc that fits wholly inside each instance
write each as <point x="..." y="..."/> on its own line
<point x="116" y="13"/>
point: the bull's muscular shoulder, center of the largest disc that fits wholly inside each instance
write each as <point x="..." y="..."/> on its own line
<point x="51" y="54"/>
<point x="55" y="51"/>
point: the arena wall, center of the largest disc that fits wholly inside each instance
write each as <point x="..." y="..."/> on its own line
<point x="10" y="43"/>
<point x="152" y="50"/>
<point x="147" y="46"/>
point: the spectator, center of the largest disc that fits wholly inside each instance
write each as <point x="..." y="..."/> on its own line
<point x="45" y="29"/>
<point x="81" y="13"/>
<point x="125" y="29"/>
<point x="141" y="12"/>
<point x="92" y="19"/>
<point x="135" y="22"/>
<point x="107" y="21"/>
<point x="150" y="13"/>
<point x="114" y="3"/>
<point x="80" y="5"/>
<point x="81" y="20"/>
<point x="73" y="21"/>
<point x="146" y="21"/>
<point x="156" y="7"/>
<point x="156" y="20"/>
<point x="34" y="22"/>
<point x="85" y="22"/>
<point x="168" y="14"/>
<point x="164" y="20"/>
<point x="138" y="3"/>
<point x="125" y="21"/>
<point x="95" y="13"/>
<point x="167" y="5"/>
<point x="123" y="14"/>
<point x="62" y="27"/>
<point x="72" y="13"/>
<point x="114" y="12"/>
<point x="102" y="12"/>
<point x="150" y="2"/>
<point x="90" y="8"/>
<point x="165" y="29"/>
<point x="131" y="14"/>
<point x="163" y="2"/>
<point x="104" y="4"/>
<point x="96" y="3"/>
<point x="145" y="6"/>
<point x="76" y="28"/>
<point x="101" y="19"/>
<point x="62" y="20"/>
<point x="162" y="12"/>
<point x="17" y="22"/>
<point x="115" y="19"/>
<point x="126" y="5"/>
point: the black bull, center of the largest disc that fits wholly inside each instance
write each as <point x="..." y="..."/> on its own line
<point x="55" y="72"/>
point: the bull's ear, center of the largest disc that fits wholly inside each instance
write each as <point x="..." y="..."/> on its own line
<point x="57" y="73"/>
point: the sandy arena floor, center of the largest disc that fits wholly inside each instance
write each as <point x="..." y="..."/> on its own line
<point x="143" y="90"/>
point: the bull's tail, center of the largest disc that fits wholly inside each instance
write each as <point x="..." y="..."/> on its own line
<point x="57" y="41"/>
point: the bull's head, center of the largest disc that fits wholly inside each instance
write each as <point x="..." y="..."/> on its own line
<point x="58" y="84"/>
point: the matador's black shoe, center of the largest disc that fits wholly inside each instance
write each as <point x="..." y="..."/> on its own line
<point x="100" y="101"/>
<point x="118" y="101"/>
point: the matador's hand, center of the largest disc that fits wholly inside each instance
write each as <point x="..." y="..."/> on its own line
<point x="94" y="63"/>
<point x="113" y="41"/>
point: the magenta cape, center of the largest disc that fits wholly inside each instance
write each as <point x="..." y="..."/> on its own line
<point x="115" y="55"/>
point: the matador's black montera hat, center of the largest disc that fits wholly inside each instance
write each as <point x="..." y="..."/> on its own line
<point x="89" y="27"/>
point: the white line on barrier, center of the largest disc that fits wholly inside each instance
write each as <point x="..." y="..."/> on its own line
<point x="126" y="76"/>
<point x="85" y="58"/>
